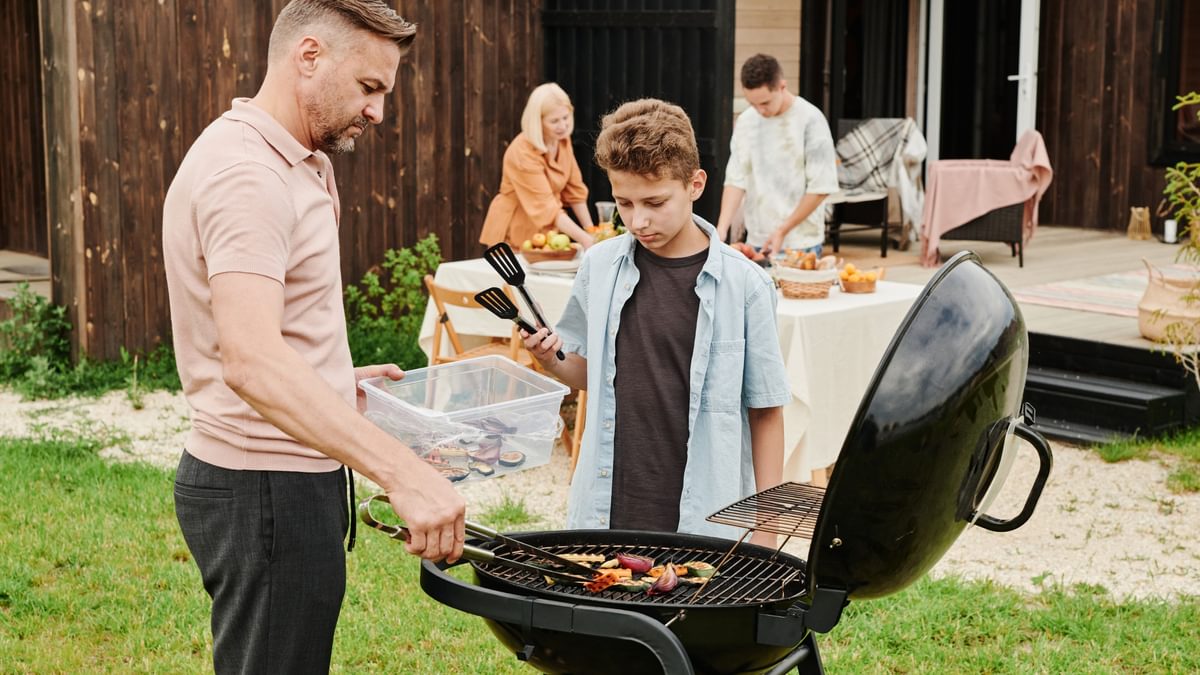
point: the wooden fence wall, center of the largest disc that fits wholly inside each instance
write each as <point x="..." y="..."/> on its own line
<point x="1093" y="107"/>
<point x="136" y="82"/>
<point x="22" y="208"/>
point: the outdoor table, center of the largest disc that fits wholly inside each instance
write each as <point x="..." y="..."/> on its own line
<point x="830" y="349"/>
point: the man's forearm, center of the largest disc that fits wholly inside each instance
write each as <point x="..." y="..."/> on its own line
<point x="282" y="387"/>
<point x="808" y="203"/>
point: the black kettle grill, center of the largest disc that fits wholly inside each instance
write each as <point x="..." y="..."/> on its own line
<point x="931" y="437"/>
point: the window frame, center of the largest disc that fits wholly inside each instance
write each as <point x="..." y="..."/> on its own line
<point x="1168" y="32"/>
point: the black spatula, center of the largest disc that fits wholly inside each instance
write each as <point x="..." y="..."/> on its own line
<point x="497" y="302"/>
<point x="504" y="261"/>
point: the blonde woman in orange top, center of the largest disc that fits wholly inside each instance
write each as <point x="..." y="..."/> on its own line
<point x="541" y="177"/>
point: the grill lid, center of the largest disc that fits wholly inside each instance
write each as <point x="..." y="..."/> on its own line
<point x="926" y="440"/>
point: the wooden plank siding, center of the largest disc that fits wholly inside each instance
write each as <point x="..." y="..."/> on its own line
<point x="131" y="84"/>
<point x="1093" y="95"/>
<point x="22" y="168"/>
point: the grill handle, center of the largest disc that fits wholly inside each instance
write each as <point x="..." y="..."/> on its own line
<point x="1045" y="461"/>
<point x="530" y="613"/>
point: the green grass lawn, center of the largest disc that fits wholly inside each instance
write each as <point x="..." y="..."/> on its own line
<point x="1181" y="450"/>
<point x="95" y="577"/>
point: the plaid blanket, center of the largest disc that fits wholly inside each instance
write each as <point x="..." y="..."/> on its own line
<point x="884" y="153"/>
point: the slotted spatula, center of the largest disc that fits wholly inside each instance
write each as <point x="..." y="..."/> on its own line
<point x="504" y="261"/>
<point x="497" y="302"/>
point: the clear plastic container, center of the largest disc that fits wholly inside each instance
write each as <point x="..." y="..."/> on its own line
<point x="471" y="419"/>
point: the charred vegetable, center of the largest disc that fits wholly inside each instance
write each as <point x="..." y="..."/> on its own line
<point x="454" y="473"/>
<point x="665" y="582"/>
<point x="657" y="571"/>
<point x="700" y="569"/>
<point x="512" y="458"/>
<point x="584" y="558"/>
<point x="632" y="586"/>
<point x="488" y="449"/>
<point x="493" y="425"/>
<point x="603" y="580"/>
<point x="483" y="468"/>
<point x="636" y="563"/>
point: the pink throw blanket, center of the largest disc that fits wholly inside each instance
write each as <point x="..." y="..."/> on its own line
<point x="960" y="190"/>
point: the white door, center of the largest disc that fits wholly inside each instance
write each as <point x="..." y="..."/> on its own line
<point x="1026" y="79"/>
<point x="930" y="80"/>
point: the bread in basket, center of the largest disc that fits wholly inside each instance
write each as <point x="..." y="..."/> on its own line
<point x="804" y="284"/>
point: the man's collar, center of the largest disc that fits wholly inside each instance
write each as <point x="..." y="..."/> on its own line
<point x="279" y="138"/>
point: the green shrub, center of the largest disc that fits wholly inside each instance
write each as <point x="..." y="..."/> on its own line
<point x="35" y="357"/>
<point x="383" y="318"/>
<point x="37" y="336"/>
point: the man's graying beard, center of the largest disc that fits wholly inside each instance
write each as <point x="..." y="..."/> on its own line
<point x="335" y="143"/>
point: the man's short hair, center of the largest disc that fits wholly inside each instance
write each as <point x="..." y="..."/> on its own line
<point x="648" y="137"/>
<point x="374" y="16"/>
<point x="761" y="70"/>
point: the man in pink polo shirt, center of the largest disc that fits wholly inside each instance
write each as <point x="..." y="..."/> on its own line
<point x="250" y="244"/>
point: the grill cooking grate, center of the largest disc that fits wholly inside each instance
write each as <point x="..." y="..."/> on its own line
<point x="741" y="579"/>
<point x="789" y="509"/>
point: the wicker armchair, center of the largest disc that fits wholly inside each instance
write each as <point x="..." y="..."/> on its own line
<point x="1003" y="224"/>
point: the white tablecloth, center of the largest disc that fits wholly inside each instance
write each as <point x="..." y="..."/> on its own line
<point x="830" y="348"/>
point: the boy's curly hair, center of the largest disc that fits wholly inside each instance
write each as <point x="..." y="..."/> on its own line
<point x="761" y="70"/>
<point x="648" y="137"/>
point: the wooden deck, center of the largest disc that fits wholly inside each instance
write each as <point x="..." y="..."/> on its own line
<point x="1056" y="253"/>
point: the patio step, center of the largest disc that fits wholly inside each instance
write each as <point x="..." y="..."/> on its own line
<point x="1090" y="408"/>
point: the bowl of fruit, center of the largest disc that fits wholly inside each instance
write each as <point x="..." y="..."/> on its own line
<point x="854" y="280"/>
<point x="609" y="224"/>
<point x="554" y="246"/>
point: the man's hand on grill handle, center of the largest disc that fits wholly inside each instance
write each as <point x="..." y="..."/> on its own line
<point x="434" y="513"/>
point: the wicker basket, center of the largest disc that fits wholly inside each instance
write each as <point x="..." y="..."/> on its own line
<point x="862" y="286"/>
<point x="804" y="284"/>
<point x="539" y="255"/>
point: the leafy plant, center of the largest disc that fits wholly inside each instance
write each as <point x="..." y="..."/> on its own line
<point x="35" y="357"/>
<point x="1181" y="197"/>
<point x="37" y="336"/>
<point x="384" y="311"/>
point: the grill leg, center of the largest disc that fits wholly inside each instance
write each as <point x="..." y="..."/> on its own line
<point x="805" y="659"/>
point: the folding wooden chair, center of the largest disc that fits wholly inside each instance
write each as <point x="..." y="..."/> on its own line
<point x="442" y="297"/>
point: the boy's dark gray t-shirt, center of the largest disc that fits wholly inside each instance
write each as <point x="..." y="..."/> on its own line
<point x="652" y="383"/>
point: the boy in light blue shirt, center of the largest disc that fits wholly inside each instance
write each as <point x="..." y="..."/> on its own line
<point x="673" y="334"/>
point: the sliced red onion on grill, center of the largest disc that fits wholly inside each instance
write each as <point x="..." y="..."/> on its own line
<point x="639" y="564"/>
<point x="665" y="583"/>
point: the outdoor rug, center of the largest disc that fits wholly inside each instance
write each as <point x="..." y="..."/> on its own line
<point x="1117" y="293"/>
